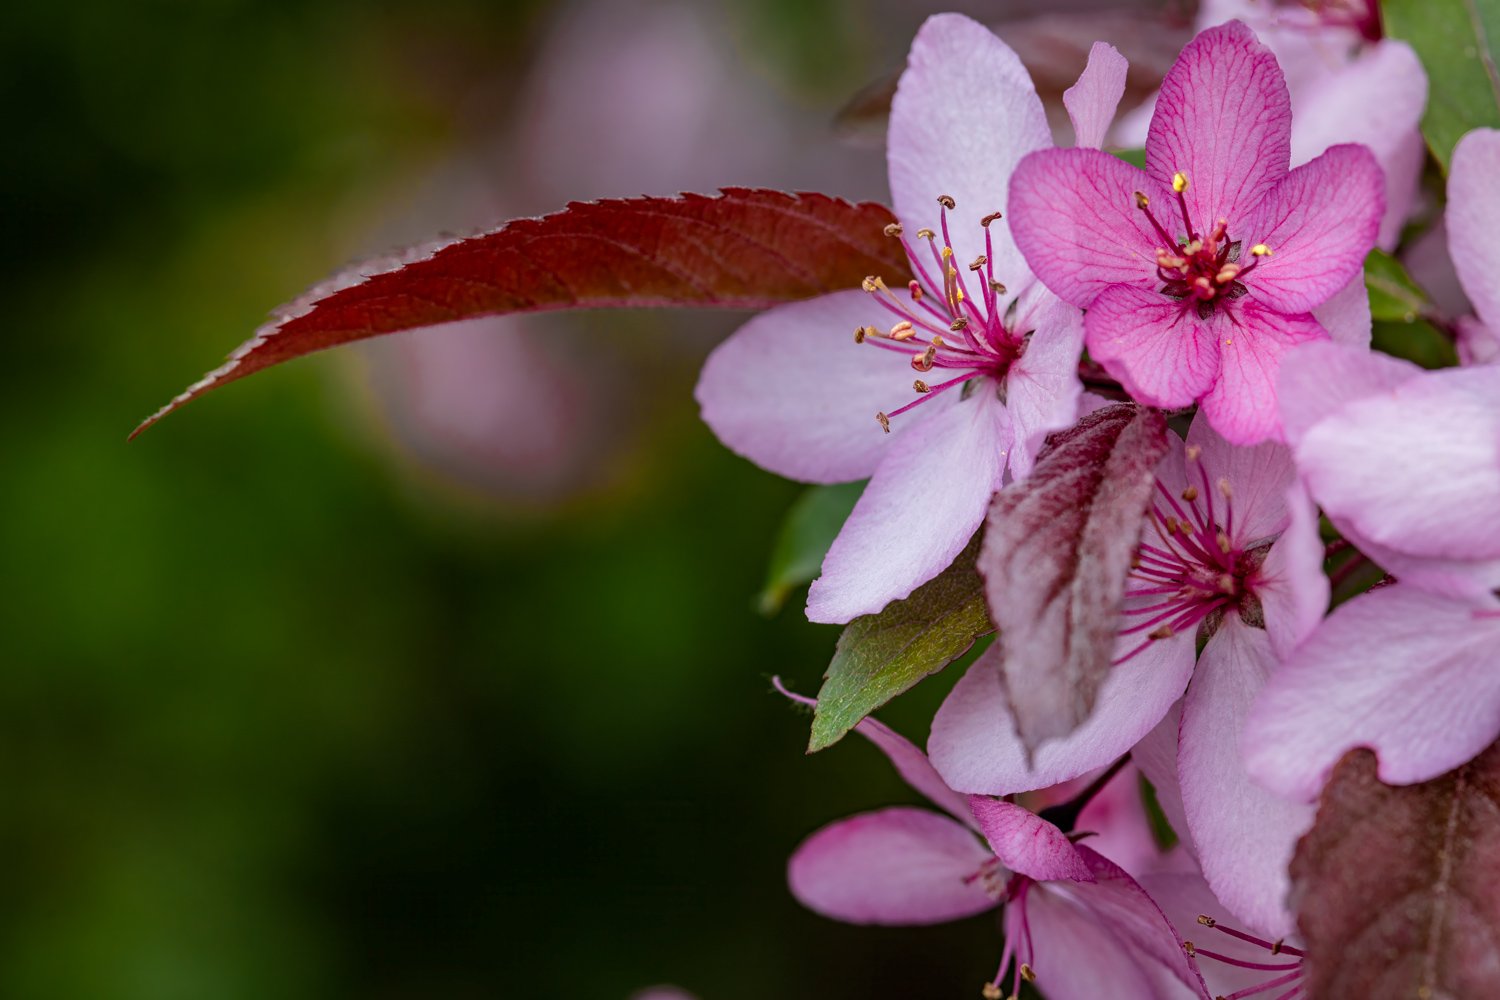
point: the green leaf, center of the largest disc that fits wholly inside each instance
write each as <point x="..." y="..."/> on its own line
<point x="810" y="527"/>
<point x="1135" y="157"/>
<point x="1393" y="293"/>
<point x="1455" y="39"/>
<point x="1420" y="342"/>
<point x="882" y="655"/>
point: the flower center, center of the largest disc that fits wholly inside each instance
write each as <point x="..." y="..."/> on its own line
<point x="1202" y="271"/>
<point x="945" y="326"/>
<point x="1285" y="975"/>
<point x="1189" y="570"/>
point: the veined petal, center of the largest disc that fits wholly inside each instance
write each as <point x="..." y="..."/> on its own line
<point x="1027" y="844"/>
<point x="1408" y="674"/>
<point x="1091" y="102"/>
<point x="1319" y="378"/>
<point x="1474" y="220"/>
<point x="1224" y="119"/>
<point x="1320" y="222"/>
<point x="920" y="509"/>
<point x="964" y="114"/>
<point x="898" y="867"/>
<point x="974" y="744"/>
<point x="1257" y="478"/>
<point x="1156" y="346"/>
<point x="1242" y="403"/>
<point x="1074" y="216"/>
<point x="1071" y="955"/>
<point x="1244" y="835"/>
<point x="1042" y="389"/>
<point x="792" y="392"/>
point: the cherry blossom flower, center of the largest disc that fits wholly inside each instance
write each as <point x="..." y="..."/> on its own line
<point x="1473" y="219"/>
<point x="1075" y="922"/>
<point x="1218" y="561"/>
<point x="1201" y="271"/>
<point x="994" y="354"/>
<point x="1407" y="670"/>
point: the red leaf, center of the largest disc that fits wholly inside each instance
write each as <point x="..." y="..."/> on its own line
<point x="1398" y="888"/>
<point x="1057" y="548"/>
<point x="741" y="249"/>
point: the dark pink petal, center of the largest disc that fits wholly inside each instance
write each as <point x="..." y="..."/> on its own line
<point x="1027" y="844"/>
<point x="964" y="113"/>
<point x="1408" y="674"/>
<point x="1318" y="379"/>
<point x="897" y="867"/>
<point x="1320" y="222"/>
<point x="1244" y="836"/>
<point x="1156" y="346"/>
<point x="975" y="747"/>
<point x="1224" y="119"/>
<point x="920" y="509"/>
<point x="793" y="392"/>
<point x="1073" y="215"/>
<point x="1091" y="102"/>
<point x="1242" y="403"/>
<point x="915" y="769"/>
<point x="1474" y="220"/>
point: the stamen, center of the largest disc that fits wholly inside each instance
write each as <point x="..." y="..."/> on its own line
<point x="985" y="222"/>
<point x="947" y="201"/>
<point x="921" y="386"/>
<point x="1261" y="250"/>
<point x="978" y="262"/>
<point x="884" y="421"/>
<point x="915" y="288"/>
<point x="861" y="332"/>
<point x="1179" y="182"/>
<point x="893" y="229"/>
<point x="902" y="331"/>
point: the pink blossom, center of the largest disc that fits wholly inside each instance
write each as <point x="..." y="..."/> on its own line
<point x="1075" y="922"/>
<point x="995" y="355"/>
<point x="1407" y="670"/>
<point x="1217" y="559"/>
<point x="1473" y="220"/>
<point x="1201" y="271"/>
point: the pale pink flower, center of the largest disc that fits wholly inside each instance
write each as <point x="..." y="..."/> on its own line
<point x="1200" y="272"/>
<point x="824" y="390"/>
<point x="1473" y="219"/>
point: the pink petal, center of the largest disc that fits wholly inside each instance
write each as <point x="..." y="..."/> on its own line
<point x="1156" y="756"/>
<point x="920" y="509"/>
<point x="1441" y="496"/>
<point x="1156" y="346"/>
<point x="1091" y="102"/>
<point x="1116" y="822"/>
<point x="1244" y="835"/>
<point x="915" y="769"/>
<point x="1027" y="844"/>
<point x="1377" y="100"/>
<point x="1257" y="478"/>
<point x="1242" y="403"/>
<point x="1073" y="215"/>
<point x="1318" y="379"/>
<point x="1042" y="391"/>
<point x="1409" y="674"/>
<point x="1346" y="316"/>
<point x="964" y="114"/>
<point x="1474" y="219"/>
<point x="793" y="392"/>
<point x="1072" y="956"/>
<point x="1224" y="119"/>
<point x="1183" y="896"/>
<point x="1320" y="222"/>
<point x="1477" y="343"/>
<point x="974" y="744"/>
<point x="897" y="866"/>
<point x="1291" y="585"/>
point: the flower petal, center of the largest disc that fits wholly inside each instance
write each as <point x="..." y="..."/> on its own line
<point x="1071" y="955"/>
<point x="974" y="744"/>
<point x="1244" y="835"/>
<point x="920" y="509"/>
<point x="1073" y="214"/>
<point x="1291" y="585"/>
<point x="964" y="114"/>
<point x="1091" y="102"/>
<point x="793" y="393"/>
<point x="1320" y="223"/>
<point x="1346" y="316"/>
<point x="1318" y="379"/>
<point x="915" y="769"/>
<point x="1156" y="756"/>
<point x="1409" y="674"/>
<point x="1027" y="844"/>
<point x="1474" y="219"/>
<point x="1242" y="403"/>
<point x="1256" y="479"/>
<point x="1224" y="119"/>
<point x="1042" y="390"/>
<point x="897" y="867"/>
<point x="1156" y="346"/>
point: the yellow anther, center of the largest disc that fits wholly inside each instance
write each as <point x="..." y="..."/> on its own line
<point x="947" y="253"/>
<point x="958" y="294"/>
<point x="893" y="229"/>
<point x="859" y="335"/>
<point x="921" y="386"/>
<point x="1207" y="921"/>
<point x="1141" y="201"/>
<point x="958" y="324"/>
<point x="884" y="421"/>
<point x="985" y="222"/>
<point x="926" y="234"/>
<point x="1165" y="632"/>
<point x="869" y="284"/>
<point x="991" y="992"/>
<point x="902" y="331"/>
<point x="1179" y="182"/>
<point x="937" y="340"/>
<point x="1190" y="494"/>
<point x="946" y="201"/>
<point x="1192" y="452"/>
<point x="1028" y="973"/>
<point x="1261" y="250"/>
<point x="1194" y="247"/>
<point x="1188" y="947"/>
<point x="1226" y="583"/>
<point x="1227" y="273"/>
<point x="978" y="262"/>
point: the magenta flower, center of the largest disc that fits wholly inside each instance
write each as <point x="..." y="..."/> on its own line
<point x="1217" y="559"/>
<point x="1075" y="922"/>
<point x="1201" y="271"/>
<point x="994" y="355"/>
<point x="1473" y="218"/>
<point x="1407" y="670"/>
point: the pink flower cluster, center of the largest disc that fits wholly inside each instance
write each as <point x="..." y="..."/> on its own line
<point x="1219" y="283"/>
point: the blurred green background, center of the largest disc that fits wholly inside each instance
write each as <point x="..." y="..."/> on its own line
<point x="286" y="712"/>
